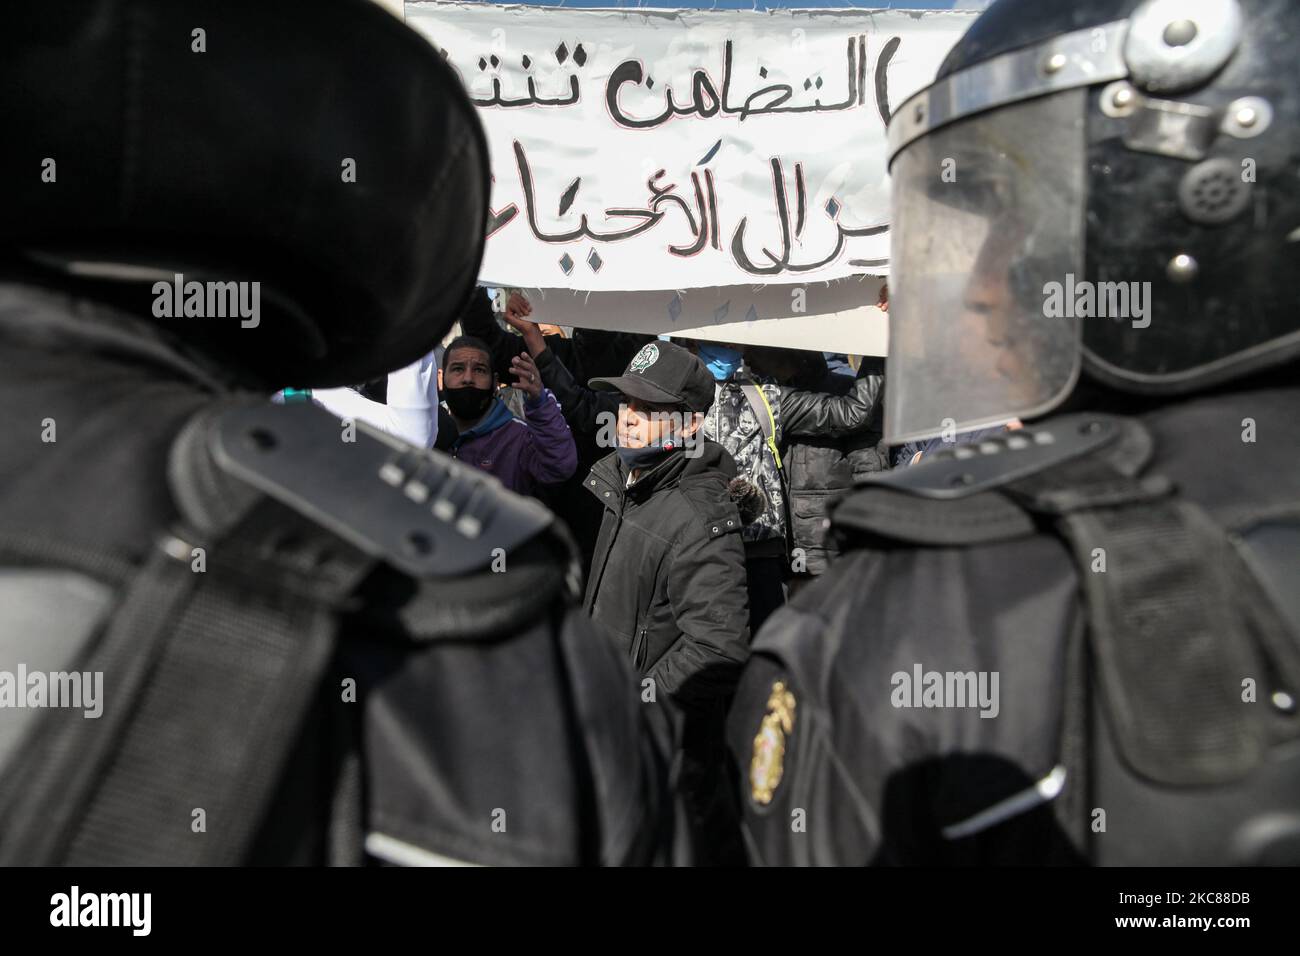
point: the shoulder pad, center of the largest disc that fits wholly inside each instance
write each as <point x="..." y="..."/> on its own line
<point x="420" y="511"/>
<point x="949" y="497"/>
<point x="719" y="515"/>
<point x="965" y="470"/>
<point x="722" y="524"/>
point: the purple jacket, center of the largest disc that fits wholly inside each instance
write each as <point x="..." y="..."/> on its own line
<point x="523" y="454"/>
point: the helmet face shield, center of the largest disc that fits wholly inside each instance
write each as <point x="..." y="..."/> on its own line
<point x="986" y="213"/>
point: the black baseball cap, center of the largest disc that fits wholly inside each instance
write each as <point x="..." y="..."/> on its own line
<point x="665" y="374"/>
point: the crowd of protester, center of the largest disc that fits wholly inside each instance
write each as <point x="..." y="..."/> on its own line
<point x="709" y="470"/>
<point x="510" y="396"/>
<point x="695" y="477"/>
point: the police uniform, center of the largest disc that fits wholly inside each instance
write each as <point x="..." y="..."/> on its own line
<point x="1078" y="641"/>
<point x="249" y="632"/>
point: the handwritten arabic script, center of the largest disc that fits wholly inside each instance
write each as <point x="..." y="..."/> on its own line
<point x="705" y="100"/>
<point x="672" y="151"/>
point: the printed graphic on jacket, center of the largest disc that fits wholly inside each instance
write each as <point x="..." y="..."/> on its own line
<point x="732" y="424"/>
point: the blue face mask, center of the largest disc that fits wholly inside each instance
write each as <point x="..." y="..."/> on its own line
<point x="721" y="361"/>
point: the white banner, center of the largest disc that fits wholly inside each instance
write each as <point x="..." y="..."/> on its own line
<point x="678" y="150"/>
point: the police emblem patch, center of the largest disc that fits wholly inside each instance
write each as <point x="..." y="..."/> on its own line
<point x="648" y="355"/>
<point x="768" y="762"/>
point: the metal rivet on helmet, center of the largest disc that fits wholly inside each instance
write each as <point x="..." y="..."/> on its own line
<point x="1247" y="117"/>
<point x="1180" y="33"/>
<point x="1182" y="268"/>
<point x="1119" y="99"/>
<point x="1178" y="44"/>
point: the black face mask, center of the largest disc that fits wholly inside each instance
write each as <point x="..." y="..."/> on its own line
<point x="468" y="403"/>
<point x="649" y="455"/>
<point x="646" y="457"/>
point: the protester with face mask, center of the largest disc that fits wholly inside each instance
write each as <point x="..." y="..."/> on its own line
<point x="758" y="420"/>
<point x="667" y="583"/>
<point x="818" y="470"/>
<point x="522" y="454"/>
<point x="587" y="353"/>
<point x="668" y="514"/>
<point x="754" y="419"/>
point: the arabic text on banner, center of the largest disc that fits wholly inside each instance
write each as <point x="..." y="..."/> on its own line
<point x="639" y="150"/>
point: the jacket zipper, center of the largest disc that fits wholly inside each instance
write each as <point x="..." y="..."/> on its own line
<point x="604" y="563"/>
<point x="638" y="649"/>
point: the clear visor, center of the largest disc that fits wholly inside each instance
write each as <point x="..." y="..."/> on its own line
<point x="987" y="214"/>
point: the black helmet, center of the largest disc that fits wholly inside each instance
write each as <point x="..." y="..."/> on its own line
<point x="324" y="151"/>
<point x="1107" y="188"/>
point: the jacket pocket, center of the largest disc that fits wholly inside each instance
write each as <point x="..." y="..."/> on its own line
<point x="812" y="504"/>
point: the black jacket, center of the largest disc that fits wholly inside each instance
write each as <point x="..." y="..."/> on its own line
<point x="457" y="697"/>
<point x="980" y="584"/>
<point x="820" y="470"/>
<point x="667" y="586"/>
<point x="867" y="451"/>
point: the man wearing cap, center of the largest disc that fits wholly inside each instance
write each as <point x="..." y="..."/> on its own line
<point x="667" y="582"/>
<point x="755" y="420"/>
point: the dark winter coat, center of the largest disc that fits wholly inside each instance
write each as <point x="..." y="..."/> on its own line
<point x="667" y="583"/>
<point x="829" y="719"/>
<point x="820" y="470"/>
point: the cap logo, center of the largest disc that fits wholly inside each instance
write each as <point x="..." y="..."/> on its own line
<point x="648" y="355"/>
